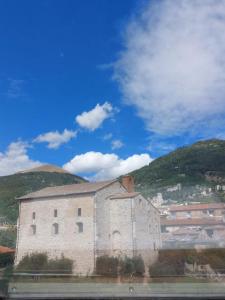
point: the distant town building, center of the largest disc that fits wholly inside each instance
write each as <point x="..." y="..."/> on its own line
<point x="194" y="225"/>
<point x="87" y="220"/>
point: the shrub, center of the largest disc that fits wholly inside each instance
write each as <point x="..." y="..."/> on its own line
<point x="172" y="262"/>
<point x="161" y="269"/>
<point x="35" y="262"/>
<point x="4" y="281"/>
<point x="107" y="266"/>
<point x="6" y="259"/>
<point x="60" y="265"/>
<point x="111" y="266"/>
<point x="139" y="265"/>
<point x="127" y="266"/>
<point x="39" y="263"/>
<point x="8" y="238"/>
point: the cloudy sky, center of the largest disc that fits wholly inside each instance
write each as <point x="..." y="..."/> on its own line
<point x="103" y="87"/>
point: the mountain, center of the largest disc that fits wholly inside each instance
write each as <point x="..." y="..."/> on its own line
<point x="45" y="168"/>
<point x="192" y="173"/>
<point x="21" y="183"/>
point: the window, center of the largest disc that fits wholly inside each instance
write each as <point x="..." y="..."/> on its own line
<point x="80" y="227"/>
<point x="79" y="212"/>
<point x="55" y="228"/>
<point x="33" y="229"/>
<point x="55" y="213"/>
<point x="188" y="214"/>
<point x="154" y="246"/>
<point x="211" y="212"/>
<point x="33" y="215"/>
<point x="209" y="232"/>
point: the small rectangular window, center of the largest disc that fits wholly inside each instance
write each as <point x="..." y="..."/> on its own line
<point x="79" y="212"/>
<point x="33" y="215"/>
<point x="55" y="213"/>
<point x="33" y="229"/>
<point x="80" y="227"/>
<point x="55" y="228"/>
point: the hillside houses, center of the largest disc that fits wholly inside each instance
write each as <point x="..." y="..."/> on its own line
<point x="194" y="225"/>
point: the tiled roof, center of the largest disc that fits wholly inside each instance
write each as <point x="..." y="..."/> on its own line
<point x="200" y="206"/>
<point x="185" y="231"/>
<point x="124" y="195"/>
<point x="6" y="250"/>
<point x="71" y="189"/>
<point x="191" y="222"/>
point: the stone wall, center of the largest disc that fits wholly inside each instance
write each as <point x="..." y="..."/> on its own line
<point x="103" y="242"/>
<point x="68" y="242"/>
<point x="148" y="232"/>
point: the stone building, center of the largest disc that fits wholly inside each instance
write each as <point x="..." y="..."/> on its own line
<point x="200" y="210"/>
<point x="87" y="220"/>
<point x="194" y="225"/>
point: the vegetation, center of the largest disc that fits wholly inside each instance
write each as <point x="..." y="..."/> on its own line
<point x="132" y="266"/>
<point x="6" y="259"/>
<point x="172" y="262"/>
<point x="40" y="263"/>
<point x="16" y="185"/>
<point x="202" y="163"/>
<point x="113" y="266"/>
<point x="8" y="238"/>
<point x="107" y="266"/>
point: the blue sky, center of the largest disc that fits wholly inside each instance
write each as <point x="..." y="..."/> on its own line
<point x="144" y="93"/>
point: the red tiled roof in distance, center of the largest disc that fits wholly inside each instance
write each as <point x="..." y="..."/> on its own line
<point x="192" y="222"/>
<point x="6" y="250"/>
<point x="201" y="206"/>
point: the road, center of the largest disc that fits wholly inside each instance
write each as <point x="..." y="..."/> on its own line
<point x="100" y="290"/>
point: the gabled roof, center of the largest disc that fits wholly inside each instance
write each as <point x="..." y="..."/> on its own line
<point x="124" y="195"/>
<point x="71" y="189"/>
<point x="191" y="222"/>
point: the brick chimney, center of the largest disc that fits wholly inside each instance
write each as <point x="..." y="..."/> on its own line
<point x="128" y="183"/>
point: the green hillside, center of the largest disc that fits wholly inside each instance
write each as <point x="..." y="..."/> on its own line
<point x="194" y="167"/>
<point x="19" y="184"/>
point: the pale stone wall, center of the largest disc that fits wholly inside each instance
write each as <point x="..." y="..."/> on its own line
<point x="121" y="227"/>
<point x="128" y="226"/>
<point x="147" y="230"/>
<point x="76" y="246"/>
<point x="102" y="216"/>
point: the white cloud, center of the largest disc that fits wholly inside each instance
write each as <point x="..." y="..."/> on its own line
<point x="16" y="159"/>
<point x="105" y="166"/>
<point x="172" y="68"/>
<point x="94" y="118"/>
<point x="15" y="88"/>
<point x="107" y="136"/>
<point x="117" y="144"/>
<point x="55" y="139"/>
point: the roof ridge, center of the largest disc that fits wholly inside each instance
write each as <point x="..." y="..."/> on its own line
<point x="68" y="189"/>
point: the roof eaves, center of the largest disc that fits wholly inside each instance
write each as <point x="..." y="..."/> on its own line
<point x="51" y="196"/>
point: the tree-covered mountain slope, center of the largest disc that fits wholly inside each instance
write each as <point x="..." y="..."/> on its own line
<point x="19" y="184"/>
<point x="192" y="173"/>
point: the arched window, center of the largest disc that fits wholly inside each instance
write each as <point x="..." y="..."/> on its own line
<point x="116" y="240"/>
<point x="33" y="215"/>
<point x="33" y="229"/>
<point x="55" y="228"/>
<point x="80" y="227"/>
